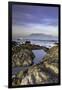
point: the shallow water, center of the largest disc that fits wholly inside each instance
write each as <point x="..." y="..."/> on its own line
<point x="39" y="54"/>
<point x="18" y="69"/>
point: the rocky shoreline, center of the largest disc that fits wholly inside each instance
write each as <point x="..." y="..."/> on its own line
<point x="45" y="72"/>
<point x="22" y="55"/>
<point x="29" y="46"/>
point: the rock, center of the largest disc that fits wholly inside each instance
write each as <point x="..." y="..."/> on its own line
<point x="29" y="46"/>
<point x="22" y="58"/>
<point x="45" y="48"/>
<point x="27" y="42"/>
<point x="56" y="44"/>
<point x="46" y="72"/>
<point x="33" y="47"/>
<point x="51" y="61"/>
<point x="14" y="43"/>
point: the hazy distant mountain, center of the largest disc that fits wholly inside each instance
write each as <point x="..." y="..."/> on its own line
<point x="41" y="37"/>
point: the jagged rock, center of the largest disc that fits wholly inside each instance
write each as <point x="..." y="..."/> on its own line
<point x="27" y="42"/>
<point x="46" y="72"/>
<point x="22" y="58"/>
<point x="33" y="47"/>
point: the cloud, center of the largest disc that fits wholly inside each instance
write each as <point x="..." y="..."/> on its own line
<point x="49" y="21"/>
<point x="30" y="28"/>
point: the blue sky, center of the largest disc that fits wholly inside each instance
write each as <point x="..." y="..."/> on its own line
<point x="34" y="19"/>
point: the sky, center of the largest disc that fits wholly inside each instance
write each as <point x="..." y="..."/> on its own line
<point x="34" y="19"/>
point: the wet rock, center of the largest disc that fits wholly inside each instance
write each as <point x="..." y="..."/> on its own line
<point x="27" y="42"/>
<point x="33" y="47"/>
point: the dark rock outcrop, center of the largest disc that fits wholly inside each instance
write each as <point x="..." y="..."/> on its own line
<point x="33" y="47"/>
<point x="14" y="43"/>
<point x="27" y="42"/>
<point x="16" y="49"/>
